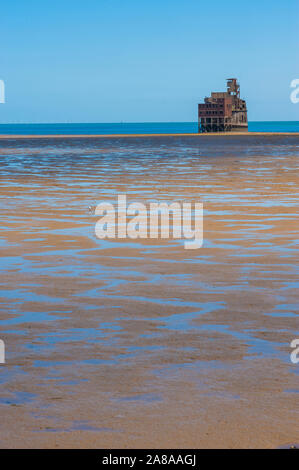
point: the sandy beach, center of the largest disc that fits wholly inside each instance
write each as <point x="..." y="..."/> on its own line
<point x="141" y="343"/>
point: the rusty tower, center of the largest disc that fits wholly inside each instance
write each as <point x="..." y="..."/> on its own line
<point x="223" y="111"/>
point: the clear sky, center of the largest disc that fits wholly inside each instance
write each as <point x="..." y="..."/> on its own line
<point x="145" y="60"/>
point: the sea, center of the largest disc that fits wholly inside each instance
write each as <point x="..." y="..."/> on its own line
<point x="135" y="128"/>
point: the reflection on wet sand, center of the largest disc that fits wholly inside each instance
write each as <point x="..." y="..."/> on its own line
<point x="142" y="343"/>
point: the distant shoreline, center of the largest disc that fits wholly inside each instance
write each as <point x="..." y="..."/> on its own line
<point x="115" y="136"/>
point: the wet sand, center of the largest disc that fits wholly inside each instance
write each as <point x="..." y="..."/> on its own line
<point x="116" y="136"/>
<point x="141" y="343"/>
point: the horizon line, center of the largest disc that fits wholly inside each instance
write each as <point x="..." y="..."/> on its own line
<point x="122" y="122"/>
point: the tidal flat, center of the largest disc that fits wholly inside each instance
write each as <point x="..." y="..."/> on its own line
<point x="142" y="343"/>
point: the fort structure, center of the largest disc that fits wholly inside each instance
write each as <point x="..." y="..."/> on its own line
<point x="224" y="111"/>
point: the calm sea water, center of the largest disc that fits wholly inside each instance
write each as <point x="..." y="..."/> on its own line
<point x="135" y="128"/>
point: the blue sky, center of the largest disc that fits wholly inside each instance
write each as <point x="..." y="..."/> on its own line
<point x="146" y="60"/>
